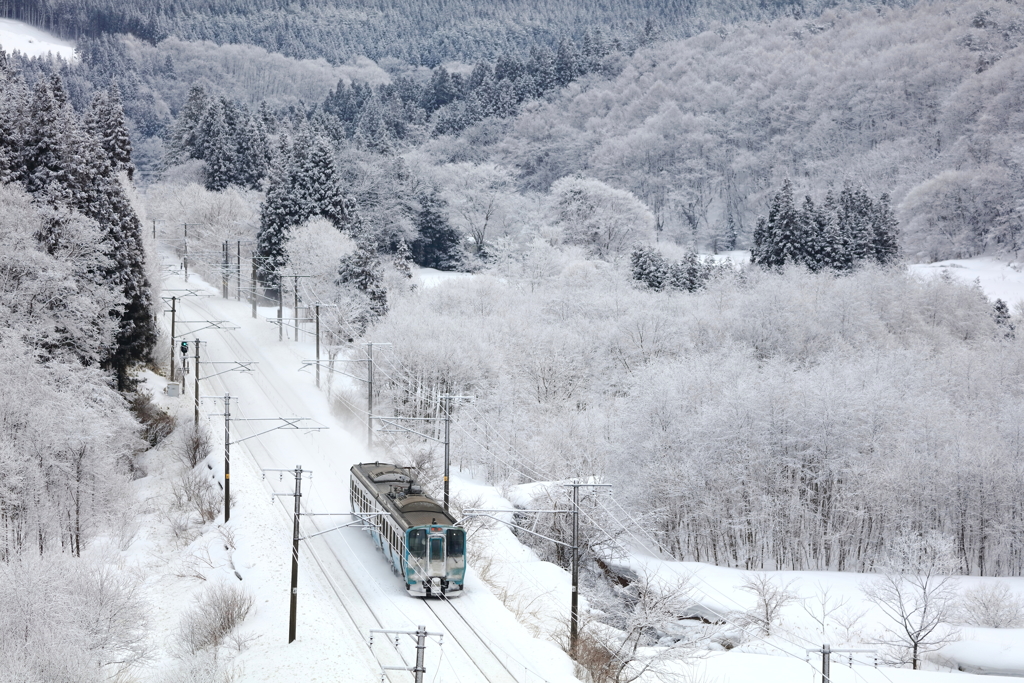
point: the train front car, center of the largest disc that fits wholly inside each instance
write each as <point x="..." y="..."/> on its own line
<point x="411" y="529"/>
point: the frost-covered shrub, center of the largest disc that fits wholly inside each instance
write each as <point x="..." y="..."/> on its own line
<point x="215" y="614"/>
<point x="993" y="605"/>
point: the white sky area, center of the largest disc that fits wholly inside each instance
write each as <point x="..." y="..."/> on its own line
<point x="346" y="587"/>
<point x="30" y="41"/>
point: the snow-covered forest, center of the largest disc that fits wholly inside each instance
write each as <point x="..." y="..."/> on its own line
<point x="662" y="246"/>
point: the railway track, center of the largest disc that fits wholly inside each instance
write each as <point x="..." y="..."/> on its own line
<point x="471" y="659"/>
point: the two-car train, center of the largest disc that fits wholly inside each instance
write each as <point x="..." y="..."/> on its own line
<point x="416" y="535"/>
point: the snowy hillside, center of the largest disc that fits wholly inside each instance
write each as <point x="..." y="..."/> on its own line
<point x="504" y="628"/>
<point x="32" y="42"/>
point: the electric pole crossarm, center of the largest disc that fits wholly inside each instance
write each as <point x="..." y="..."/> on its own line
<point x="289" y="423"/>
<point x="522" y="528"/>
<point x="207" y="325"/>
<point x="238" y="366"/>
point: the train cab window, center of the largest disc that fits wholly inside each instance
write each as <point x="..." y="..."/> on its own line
<point x="418" y="542"/>
<point x="436" y="548"/>
<point x="456" y="542"/>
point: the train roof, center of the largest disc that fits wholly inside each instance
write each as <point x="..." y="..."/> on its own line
<point x="393" y="487"/>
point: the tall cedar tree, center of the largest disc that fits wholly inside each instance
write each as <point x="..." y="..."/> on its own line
<point x="60" y="162"/>
<point x="437" y="244"/>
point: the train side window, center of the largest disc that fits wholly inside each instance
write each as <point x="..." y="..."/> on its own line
<point x="456" y="542"/>
<point x="418" y="542"/>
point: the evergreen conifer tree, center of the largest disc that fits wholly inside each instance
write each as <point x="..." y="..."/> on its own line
<point x="280" y="210"/>
<point x="437" y="244"/>
<point x="363" y="270"/>
<point x="649" y="267"/>
<point x="219" y="149"/>
<point x="885" y="228"/>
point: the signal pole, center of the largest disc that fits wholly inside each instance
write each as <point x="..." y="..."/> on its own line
<point x="227" y="457"/>
<point x="174" y="301"/>
<point x="196" y="418"/>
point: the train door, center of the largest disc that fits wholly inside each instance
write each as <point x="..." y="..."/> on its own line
<point x="436" y="556"/>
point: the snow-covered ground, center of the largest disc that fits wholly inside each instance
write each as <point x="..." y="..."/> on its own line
<point x="515" y="606"/>
<point x="32" y="42"/>
<point x="1000" y="278"/>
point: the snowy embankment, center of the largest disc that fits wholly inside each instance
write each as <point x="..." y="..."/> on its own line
<point x="999" y="278"/>
<point x="517" y="605"/>
<point x="32" y="42"/>
<point x="345" y="587"/>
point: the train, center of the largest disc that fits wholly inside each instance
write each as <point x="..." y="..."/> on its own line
<point x="422" y="542"/>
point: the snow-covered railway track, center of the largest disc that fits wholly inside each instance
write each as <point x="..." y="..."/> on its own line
<point x="472" y="658"/>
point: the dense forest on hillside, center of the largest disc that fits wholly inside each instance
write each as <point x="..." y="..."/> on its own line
<point x="422" y="33"/>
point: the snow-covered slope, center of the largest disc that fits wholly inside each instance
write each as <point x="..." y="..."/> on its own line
<point x="346" y="589"/>
<point x="32" y="42"/>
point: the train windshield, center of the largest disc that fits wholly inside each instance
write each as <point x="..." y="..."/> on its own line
<point x="456" y="542"/>
<point x="436" y="548"/>
<point x="418" y="542"/>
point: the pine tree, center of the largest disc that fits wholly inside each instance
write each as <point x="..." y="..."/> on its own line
<point x="777" y="241"/>
<point x="363" y="270"/>
<point x="812" y="236"/>
<point x="437" y="244"/>
<point x="253" y="154"/>
<point x="1001" y="312"/>
<point x="279" y="212"/>
<point x="855" y="223"/>
<point x="649" y="267"/>
<point x="185" y="140"/>
<point x="318" y="185"/>
<point x="219" y="149"/>
<point x="885" y="228"/>
<point x="106" y="123"/>
<point x="567" y="63"/>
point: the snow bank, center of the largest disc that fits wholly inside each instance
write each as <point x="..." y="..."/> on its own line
<point x="31" y="41"/>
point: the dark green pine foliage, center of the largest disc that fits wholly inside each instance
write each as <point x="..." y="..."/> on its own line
<point x="855" y="217"/>
<point x="279" y="212"/>
<point x="568" y="63"/>
<point x="252" y="157"/>
<point x="812" y="232"/>
<point x="839" y="236"/>
<point x="318" y="185"/>
<point x="886" y="232"/>
<point x="778" y="240"/>
<point x="649" y="267"/>
<point x="219" y="149"/>
<point x="364" y="271"/>
<point x="185" y="139"/>
<point x="1001" y="312"/>
<point x="65" y="165"/>
<point x="44" y="163"/>
<point x="106" y="123"/>
<point x="437" y="244"/>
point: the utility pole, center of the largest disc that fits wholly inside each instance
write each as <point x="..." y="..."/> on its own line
<point x="574" y="618"/>
<point x="224" y="270"/>
<point x="280" y="308"/>
<point x="196" y="418"/>
<point x="186" y="252"/>
<point x="238" y="272"/>
<point x="317" y="316"/>
<point x="227" y="457"/>
<point x="293" y="607"/>
<point x="575" y="547"/>
<point x="420" y="634"/>
<point x="295" y="310"/>
<point x="174" y="301"/>
<point x="447" y="444"/>
<point x="253" y="281"/>
<point x="369" y="396"/>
